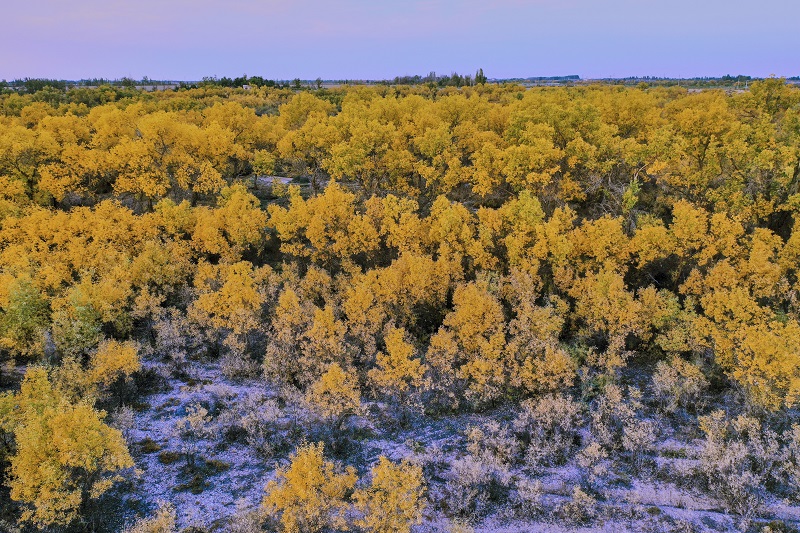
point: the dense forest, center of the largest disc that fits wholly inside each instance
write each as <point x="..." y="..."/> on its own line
<point x="400" y="307"/>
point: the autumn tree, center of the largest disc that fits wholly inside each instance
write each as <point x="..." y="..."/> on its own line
<point x="229" y="300"/>
<point x="24" y="319"/>
<point x="467" y="355"/>
<point x="398" y="375"/>
<point x="334" y="396"/>
<point x="327" y="229"/>
<point x="66" y="457"/>
<point x="309" y="495"/>
<point x="393" y="501"/>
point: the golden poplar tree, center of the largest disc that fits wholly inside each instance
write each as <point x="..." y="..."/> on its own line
<point x="65" y="455"/>
<point x="309" y="495"/>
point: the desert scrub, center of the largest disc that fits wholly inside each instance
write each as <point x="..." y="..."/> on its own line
<point x="164" y="521"/>
<point x="473" y="485"/>
<point x="176" y="338"/>
<point x="739" y="458"/>
<point x="791" y="462"/>
<point x="238" y="366"/>
<point x="259" y="417"/>
<point x="617" y="426"/>
<point x="610" y="412"/>
<point x="595" y="464"/>
<point x="548" y="427"/>
<point x="678" y="384"/>
<point x="245" y="519"/>
<point x="167" y="458"/>
<point x="492" y="444"/>
<point x="197" y="474"/>
<point x="193" y="429"/>
<point x="638" y="440"/>
<point x="124" y="420"/>
<point x="434" y="462"/>
<point x="148" y="445"/>
<point x="580" y="509"/>
<point x="526" y="498"/>
<point x="460" y="526"/>
<point x="196" y="484"/>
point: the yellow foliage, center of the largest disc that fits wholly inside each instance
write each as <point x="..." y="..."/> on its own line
<point x="24" y="317"/>
<point x="608" y="308"/>
<point x="765" y="363"/>
<point x="237" y="224"/>
<point x="325" y="229"/>
<point x="283" y="361"/>
<point x="228" y="297"/>
<point x="65" y="453"/>
<point x="164" y="521"/>
<point x="335" y="395"/>
<point x="309" y="495"/>
<point x="113" y="360"/>
<point x="470" y="347"/>
<point x="393" y="500"/>
<point x="397" y="371"/>
<point x="323" y="342"/>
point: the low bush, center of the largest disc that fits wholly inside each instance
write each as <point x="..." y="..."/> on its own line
<point x="549" y="427"/>
<point x="678" y="384"/>
<point x="739" y="458"/>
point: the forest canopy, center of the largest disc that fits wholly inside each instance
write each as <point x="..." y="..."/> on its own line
<point x="426" y="251"/>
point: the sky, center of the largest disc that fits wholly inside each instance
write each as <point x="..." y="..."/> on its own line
<point x="380" y="39"/>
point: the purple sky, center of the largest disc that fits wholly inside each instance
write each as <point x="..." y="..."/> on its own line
<point x="189" y="39"/>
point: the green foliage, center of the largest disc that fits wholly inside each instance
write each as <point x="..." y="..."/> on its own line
<point x="24" y="318"/>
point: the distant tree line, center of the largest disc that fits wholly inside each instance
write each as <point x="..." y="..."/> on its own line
<point x="453" y="80"/>
<point x="255" y="81"/>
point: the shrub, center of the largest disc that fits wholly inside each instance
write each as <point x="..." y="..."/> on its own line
<point x="259" y="418"/>
<point x="611" y="412"/>
<point x="492" y="444"/>
<point x="638" y="438"/>
<point x="582" y="508"/>
<point x="148" y="445"/>
<point x="472" y="485"/>
<point x="167" y="458"/>
<point x="791" y="464"/>
<point x="737" y="461"/>
<point x="176" y="338"/>
<point x="164" y="521"/>
<point x="238" y="366"/>
<point x="549" y="426"/>
<point x="679" y="385"/>
<point x="334" y="396"/>
<point x="245" y="519"/>
<point x="593" y="459"/>
<point x="460" y="526"/>
<point x="124" y="420"/>
<point x="196" y="484"/>
<point x="527" y="497"/>
<point x="193" y="428"/>
<point x="393" y="500"/>
<point x="309" y="495"/>
<point x="617" y="427"/>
